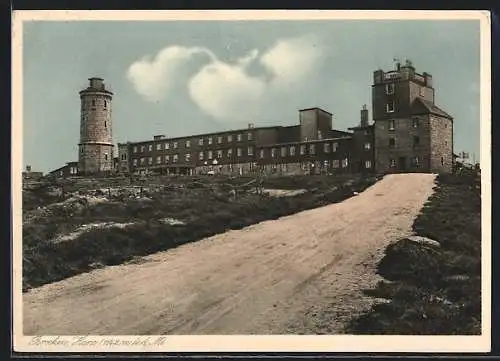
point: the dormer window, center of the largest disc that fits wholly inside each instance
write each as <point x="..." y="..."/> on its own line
<point x="389" y="88"/>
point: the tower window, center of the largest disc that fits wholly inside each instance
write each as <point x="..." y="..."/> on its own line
<point x="105" y="124"/>
<point x="105" y="104"/>
<point x="392" y="124"/>
<point x="93" y="102"/>
<point x="442" y="161"/>
<point x="105" y="156"/>
<point x="389" y="107"/>
<point x="389" y="88"/>
<point x="392" y="142"/>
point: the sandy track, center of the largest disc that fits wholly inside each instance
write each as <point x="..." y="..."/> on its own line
<point x="300" y="274"/>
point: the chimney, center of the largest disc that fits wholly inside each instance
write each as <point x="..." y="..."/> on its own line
<point x="364" y="116"/>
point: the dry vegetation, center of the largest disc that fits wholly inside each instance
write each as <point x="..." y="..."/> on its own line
<point x="433" y="289"/>
<point x="73" y="226"/>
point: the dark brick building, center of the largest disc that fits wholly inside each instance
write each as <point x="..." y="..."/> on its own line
<point x="409" y="133"/>
<point x="310" y="147"/>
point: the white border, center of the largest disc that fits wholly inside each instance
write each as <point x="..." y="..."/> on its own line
<point x="290" y="343"/>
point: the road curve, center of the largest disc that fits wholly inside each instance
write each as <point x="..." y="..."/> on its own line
<point x="303" y="274"/>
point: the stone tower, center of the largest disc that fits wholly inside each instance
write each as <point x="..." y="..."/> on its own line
<point x="412" y="134"/>
<point x="95" y="154"/>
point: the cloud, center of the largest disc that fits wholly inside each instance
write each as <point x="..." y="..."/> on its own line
<point x="227" y="90"/>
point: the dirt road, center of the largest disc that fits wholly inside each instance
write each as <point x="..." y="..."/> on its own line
<point x="300" y="274"/>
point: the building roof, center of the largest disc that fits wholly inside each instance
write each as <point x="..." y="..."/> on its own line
<point x="315" y="108"/>
<point x="422" y="106"/>
<point x="358" y="127"/>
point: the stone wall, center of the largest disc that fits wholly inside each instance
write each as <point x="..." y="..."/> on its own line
<point x="403" y="134"/>
<point x="441" y="143"/>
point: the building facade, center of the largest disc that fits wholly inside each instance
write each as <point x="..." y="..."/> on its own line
<point x="409" y="133"/>
<point x="95" y="154"/>
<point x="313" y="146"/>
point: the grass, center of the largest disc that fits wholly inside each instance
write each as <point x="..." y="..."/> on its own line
<point x="433" y="290"/>
<point x="204" y="204"/>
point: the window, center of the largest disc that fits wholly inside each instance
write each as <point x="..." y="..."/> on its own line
<point x="176" y="158"/>
<point x="320" y="135"/>
<point x="392" y="142"/>
<point x="335" y="163"/>
<point x="250" y="150"/>
<point x="105" y="104"/>
<point x="416" y="141"/>
<point x="158" y="160"/>
<point x="239" y="137"/>
<point x="239" y="152"/>
<point x="415" y="122"/>
<point x="415" y="161"/>
<point x="175" y="145"/>
<point x="200" y="156"/>
<point x="262" y="153"/>
<point x="167" y="158"/>
<point x="292" y="151"/>
<point x="105" y="124"/>
<point x="134" y="150"/>
<point x="283" y="151"/>
<point x="210" y="154"/>
<point x="368" y="164"/>
<point x="229" y="138"/>
<point x="219" y="140"/>
<point x="167" y="146"/>
<point x="249" y="136"/>
<point x="187" y="157"/>
<point x="302" y="149"/>
<point x="422" y="91"/>
<point x="150" y="147"/>
<point x="389" y="88"/>
<point x="442" y="161"/>
<point x="210" y="140"/>
<point x="105" y="156"/>
<point x="150" y="160"/>
<point x="229" y="153"/>
<point x="93" y="102"/>
<point x="345" y="163"/>
<point x="389" y="107"/>
<point x="392" y="163"/>
<point x="81" y="149"/>
<point x="368" y="145"/>
<point x="158" y="146"/>
<point x="392" y="124"/>
<point x="335" y="146"/>
<point x="200" y="141"/>
<point x="142" y="148"/>
<point x="143" y="160"/>
<point x="312" y="149"/>
<point x="219" y="154"/>
<point x="188" y="143"/>
<point x="134" y="162"/>
<point x="326" y="147"/>
<point x="273" y="152"/>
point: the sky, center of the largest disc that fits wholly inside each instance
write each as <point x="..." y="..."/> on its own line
<point x="181" y="78"/>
